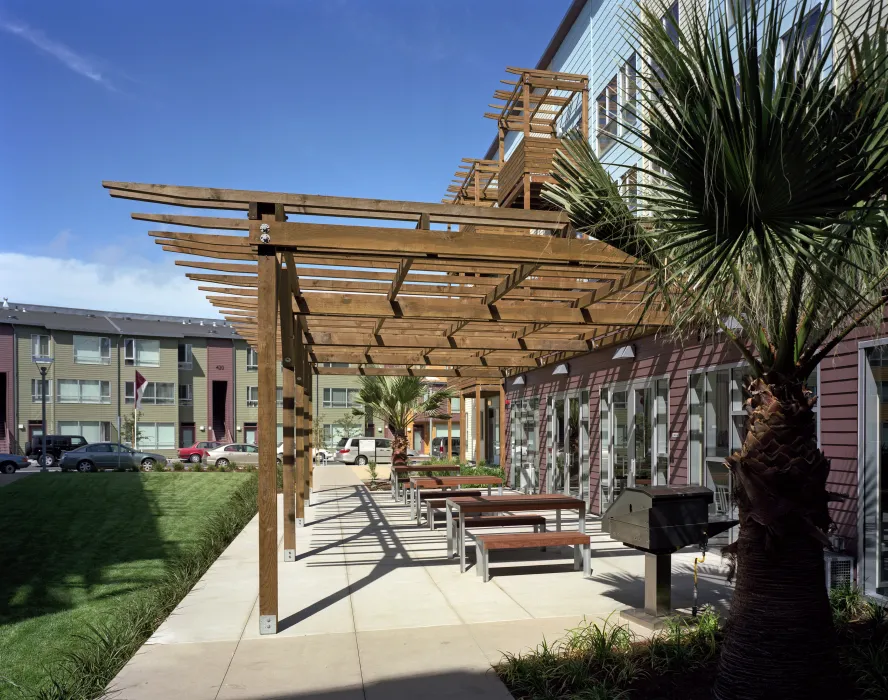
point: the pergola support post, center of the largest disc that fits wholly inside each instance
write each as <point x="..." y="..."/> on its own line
<point x="308" y="462"/>
<point x="502" y="427"/>
<point x="290" y="380"/>
<point x="477" y="425"/>
<point x="267" y="441"/>
<point x="299" y="409"/>
<point x="463" y="432"/>
<point x="449" y="437"/>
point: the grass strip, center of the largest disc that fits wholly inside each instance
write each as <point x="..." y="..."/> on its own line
<point x="103" y="648"/>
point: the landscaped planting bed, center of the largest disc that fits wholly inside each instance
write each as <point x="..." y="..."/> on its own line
<point x="92" y="563"/>
<point x="607" y="662"/>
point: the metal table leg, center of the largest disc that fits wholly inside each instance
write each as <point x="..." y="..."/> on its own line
<point x="558" y="520"/>
<point x="587" y="560"/>
<point x="449" y="525"/>
<point x="462" y="541"/>
<point x="582" y="516"/>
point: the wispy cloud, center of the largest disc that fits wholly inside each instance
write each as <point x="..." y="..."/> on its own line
<point x="80" y="64"/>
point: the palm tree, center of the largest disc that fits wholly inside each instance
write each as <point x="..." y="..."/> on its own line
<point x="763" y="219"/>
<point x="398" y="401"/>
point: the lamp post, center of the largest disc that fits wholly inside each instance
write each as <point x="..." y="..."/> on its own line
<point x="43" y="364"/>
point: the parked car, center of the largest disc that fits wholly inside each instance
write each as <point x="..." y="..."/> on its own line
<point x="198" y="451"/>
<point x="318" y="454"/>
<point x="238" y="452"/>
<point x="439" y="447"/>
<point x="9" y="463"/>
<point x="56" y="446"/>
<point x="349" y="450"/>
<point x="110" y="455"/>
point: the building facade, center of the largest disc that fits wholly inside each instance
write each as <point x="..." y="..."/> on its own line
<point x="657" y="411"/>
<point x="201" y="380"/>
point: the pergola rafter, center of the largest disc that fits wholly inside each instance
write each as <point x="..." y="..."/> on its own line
<point x="409" y="299"/>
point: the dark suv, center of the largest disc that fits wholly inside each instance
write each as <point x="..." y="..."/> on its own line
<point x="55" y="446"/>
<point x="439" y="448"/>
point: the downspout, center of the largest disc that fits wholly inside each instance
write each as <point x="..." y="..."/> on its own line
<point x="15" y="389"/>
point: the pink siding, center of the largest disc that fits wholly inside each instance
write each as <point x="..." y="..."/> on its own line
<point x="7" y="365"/>
<point x="660" y="357"/>
<point x="220" y="368"/>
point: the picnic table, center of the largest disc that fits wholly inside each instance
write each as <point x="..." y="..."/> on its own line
<point x="457" y="482"/>
<point x="463" y="506"/>
<point x="401" y="473"/>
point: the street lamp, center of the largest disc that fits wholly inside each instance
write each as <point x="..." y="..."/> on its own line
<point x="43" y="364"/>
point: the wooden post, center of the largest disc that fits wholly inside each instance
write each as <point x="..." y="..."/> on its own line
<point x="584" y="117"/>
<point x="450" y="438"/>
<point x="477" y="424"/>
<point x="308" y="461"/>
<point x="289" y="417"/>
<point x="502" y="426"/>
<point x="299" y="411"/>
<point x="267" y="440"/>
<point x="462" y="431"/>
<point x="525" y="111"/>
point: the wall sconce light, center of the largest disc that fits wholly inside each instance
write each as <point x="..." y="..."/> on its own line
<point x="520" y="380"/>
<point x="627" y="352"/>
<point x="203" y="429"/>
<point x="21" y="426"/>
<point x="563" y="368"/>
<point x="238" y="428"/>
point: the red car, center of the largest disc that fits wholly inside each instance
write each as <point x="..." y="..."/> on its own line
<point x="198" y="450"/>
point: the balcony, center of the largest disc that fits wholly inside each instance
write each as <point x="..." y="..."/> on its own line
<point x="523" y="174"/>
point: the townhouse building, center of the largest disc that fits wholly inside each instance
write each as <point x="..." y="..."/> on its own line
<point x="201" y="380"/>
<point x="656" y="411"/>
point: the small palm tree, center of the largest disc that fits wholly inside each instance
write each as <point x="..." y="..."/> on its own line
<point x="763" y="219"/>
<point x="398" y="401"/>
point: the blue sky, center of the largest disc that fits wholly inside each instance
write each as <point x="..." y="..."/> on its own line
<point x="372" y="98"/>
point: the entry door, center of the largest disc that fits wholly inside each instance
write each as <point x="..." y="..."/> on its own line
<point x="250" y="433"/>
<point x="874" y="487"/>
<point x="569" y="444"/>
<point x="187" y="435"/>
<point x="524" y="439"/>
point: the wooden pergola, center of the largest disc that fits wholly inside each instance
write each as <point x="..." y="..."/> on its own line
<point x="387" y="300"/>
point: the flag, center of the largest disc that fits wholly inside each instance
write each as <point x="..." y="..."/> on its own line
<point x="141" y="382"/>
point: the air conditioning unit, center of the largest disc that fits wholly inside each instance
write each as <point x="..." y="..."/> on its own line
<point x="839" y="570"/>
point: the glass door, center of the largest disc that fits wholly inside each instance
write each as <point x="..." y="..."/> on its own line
<point x="525" y="417"/>
<point x="634" y="437"/>
<point x="874" y="487"/>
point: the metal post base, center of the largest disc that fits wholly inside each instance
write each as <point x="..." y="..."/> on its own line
<point x="268" y="624"/>
<point x="289" y="555"/>
<point x="300" y="522"/>
<point x="657" y="584"/>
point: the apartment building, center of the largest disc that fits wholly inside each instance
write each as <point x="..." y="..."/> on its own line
<point x="655" y="411"/>
<point x="201" y="379"/>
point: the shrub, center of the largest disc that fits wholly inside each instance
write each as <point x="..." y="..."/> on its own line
<point x="178" y="467"/>
<point x="847" y="603"/>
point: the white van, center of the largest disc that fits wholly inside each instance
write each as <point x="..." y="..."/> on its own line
<point x="361" y="450"/>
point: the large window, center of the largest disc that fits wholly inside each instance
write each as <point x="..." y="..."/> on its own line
<point x="252" y="396"/>
<point x="629" y="188"/>
<point x="37" y="387"/>
<point x="156" y="393"/>
<point x="629" y="90"/>
<point x="186" y="397"/>
<point x="92" y="350"/>
<point x="40" y="347"/>
<point x="141" y="353"/>
<point x="252" y="359"/>
<point x="92" y="431"/>
<point x="185" y="356"/>
<point x="607" y="116"/>
<point x="808" y="28"/>
<point x="157" y="436"/>
<point x="339" y="398"/>
<point x="83" y="391"/>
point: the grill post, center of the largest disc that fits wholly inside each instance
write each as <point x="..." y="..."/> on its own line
<point x="657" y="584"/>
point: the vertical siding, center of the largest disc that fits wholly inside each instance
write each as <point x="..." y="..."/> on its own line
<point x="197" y="413"/>
<point x="220" y="359"/>
<point x="9" y="436"/>
<point x="27" y="370"/>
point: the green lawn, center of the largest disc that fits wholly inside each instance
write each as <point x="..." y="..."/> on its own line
<point x="75" y="548"/>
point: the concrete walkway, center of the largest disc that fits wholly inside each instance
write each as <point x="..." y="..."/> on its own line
<point x="372" y="609"/>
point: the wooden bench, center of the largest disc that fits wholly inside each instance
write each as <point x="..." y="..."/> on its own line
<point x="485" y="543"/>
<point x="425" y="496"/>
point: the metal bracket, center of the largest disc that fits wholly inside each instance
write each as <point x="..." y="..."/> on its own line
<point x="289" y="555"/>
<point x="300" y="522"/>
<point x="268" y="624"/>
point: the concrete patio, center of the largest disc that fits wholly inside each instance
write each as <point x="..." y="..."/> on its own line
<point x="373" y="609"/>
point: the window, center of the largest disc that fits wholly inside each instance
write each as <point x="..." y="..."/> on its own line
<point x="279" y="396"/>
<point x="157" y="436"/>
<point x="252" y="358"/>
<point x="84" y="391"/>
<point x="156" y="393"/>
<point x="92" y="350"/>
<point x="735" y="9"/>
<point x="92" y="431"/>
<point x="185" y="395"/>
<point x="808" y="28"/>
<point x="335" y="364"/>
<point x="340" y="398"/>
<point x="141" y="353"/>
<point x="185" y="356"/>
<point x="670" y="22"/>
<point x="252" y="396"/>
<point x="37" y="386"/>
<point x="607" y="116"/>
<point x="629" y="90"/>
<point x="40" y="347"/>
<point x="629" y="188"/>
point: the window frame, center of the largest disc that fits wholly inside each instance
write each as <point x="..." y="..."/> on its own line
<point x="254" y="354"/>
<point x="187" y="363"/>
<point x="629" y="88"/>
<point x="149" y="399"/>
<point x="40" y="337"/>
<point x="608" y="113"/>
<point x="104" y="396"/>
<point x="253" y="402"/>
<point x="104" y="342"/>
<point x="36" y="397"/>
<point x="131" y="359"/>
<point x="188" y="399"/>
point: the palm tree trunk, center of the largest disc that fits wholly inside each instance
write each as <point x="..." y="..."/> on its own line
<point x="399" y="448"/>
<point x="780" y="640"/>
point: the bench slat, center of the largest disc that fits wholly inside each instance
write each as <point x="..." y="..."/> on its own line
<point x="527" y="540"/>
